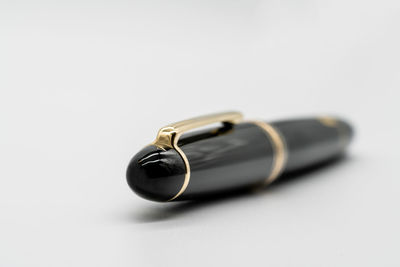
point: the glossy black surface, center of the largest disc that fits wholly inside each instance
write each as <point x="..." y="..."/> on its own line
<point x="237" y="158"/>
<point x="232" y="157"/>
<point x="309" y="141"/>
<point x="156" y="174"/>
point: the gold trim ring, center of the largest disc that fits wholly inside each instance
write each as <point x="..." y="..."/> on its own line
<point x="279" y="147"/>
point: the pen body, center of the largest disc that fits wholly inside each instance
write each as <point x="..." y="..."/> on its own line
<point x="234" y="157"/>
<point x="313" y="141"/>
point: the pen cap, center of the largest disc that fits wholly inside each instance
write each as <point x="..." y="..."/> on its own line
<point x="229" y="158"/>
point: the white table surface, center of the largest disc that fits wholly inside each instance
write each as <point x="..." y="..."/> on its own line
<point x="85" y="84"/>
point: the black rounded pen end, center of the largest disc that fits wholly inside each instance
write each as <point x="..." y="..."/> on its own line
<point x="156" y="174"/>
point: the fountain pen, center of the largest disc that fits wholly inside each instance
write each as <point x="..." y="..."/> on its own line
<point x="187" y="163"/>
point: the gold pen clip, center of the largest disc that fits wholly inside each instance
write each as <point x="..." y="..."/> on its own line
<point x="169" y="135"/>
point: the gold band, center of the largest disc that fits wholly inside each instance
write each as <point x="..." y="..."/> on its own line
<point x="187" y="174"/>
<point x="279" y="147"/>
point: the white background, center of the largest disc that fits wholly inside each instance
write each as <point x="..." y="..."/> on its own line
<point x="85" y="84"/>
